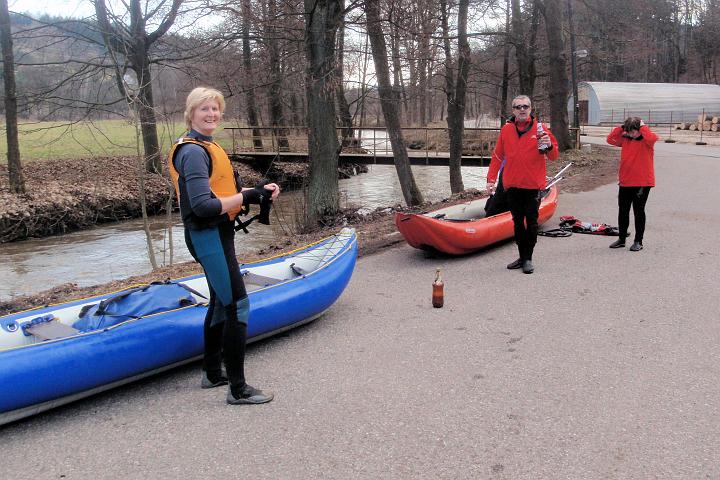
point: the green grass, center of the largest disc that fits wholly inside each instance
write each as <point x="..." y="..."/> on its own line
<point x="52" y="140"/>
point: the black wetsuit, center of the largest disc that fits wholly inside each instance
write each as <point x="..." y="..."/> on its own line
<point x="210" y="238"/>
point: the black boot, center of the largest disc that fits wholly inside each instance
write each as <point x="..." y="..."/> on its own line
<point x="516" y="264"/>
<point x="619" y="243"/>
<point x="527" y="266"/>
<point x="248" y="395"/>
<point x="213" y="379"/>
<point x="636" y="247"/>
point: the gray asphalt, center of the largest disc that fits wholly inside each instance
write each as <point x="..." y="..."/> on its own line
<point x="601" y="365"/>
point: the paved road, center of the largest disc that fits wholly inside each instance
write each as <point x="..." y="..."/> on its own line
<point x="601" y="365"/>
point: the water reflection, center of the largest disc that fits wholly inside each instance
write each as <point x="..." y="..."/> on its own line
<point x="117" y="251"/>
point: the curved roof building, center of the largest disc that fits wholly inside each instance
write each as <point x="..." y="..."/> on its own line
<point x="613" y="102"/>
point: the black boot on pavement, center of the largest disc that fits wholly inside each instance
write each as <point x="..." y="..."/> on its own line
<point x="515" y="265"/>
<point x="619" y="243"/>
<point x="528" y="267"/>
<point x="212" y="380"/>
<point x="636" y="247"/>
<point x="249" y="396"/>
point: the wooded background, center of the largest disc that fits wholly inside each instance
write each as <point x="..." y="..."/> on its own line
<point x="64" y="70"/>
<point x="328" y="63"/>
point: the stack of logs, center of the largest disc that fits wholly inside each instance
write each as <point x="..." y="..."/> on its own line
<point x="705" y="122"/>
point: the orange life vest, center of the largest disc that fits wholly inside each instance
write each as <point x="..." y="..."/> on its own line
<point x="222" y="175"/>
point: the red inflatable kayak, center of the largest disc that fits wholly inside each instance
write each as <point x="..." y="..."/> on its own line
<point x="463" y="228"/>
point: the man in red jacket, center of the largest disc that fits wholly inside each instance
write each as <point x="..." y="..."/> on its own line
<point x="636" y="176"/>
<point x="524" y="144"/>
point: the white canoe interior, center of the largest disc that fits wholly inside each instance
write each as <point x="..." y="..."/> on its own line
<point x="293" y="267"/>
<point x="464" y="212"/>
<point x="467" y="211"/>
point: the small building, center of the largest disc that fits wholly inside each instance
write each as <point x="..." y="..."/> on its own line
<point x="612" y="102"/>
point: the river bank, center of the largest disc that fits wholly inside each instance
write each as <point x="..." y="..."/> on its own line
<point x="376" y="229"/>
<point x="66" y="195"/>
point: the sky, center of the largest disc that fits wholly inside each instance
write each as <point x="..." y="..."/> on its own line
<point x="65" y="8"/>
<point x="85" y="8"/>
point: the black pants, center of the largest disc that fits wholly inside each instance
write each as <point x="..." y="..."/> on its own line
<point x="225" y="327"/>
<point x="524" y="206"/>
<point x="637" y="198"/>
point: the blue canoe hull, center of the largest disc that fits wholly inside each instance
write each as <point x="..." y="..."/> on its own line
<point x="44" y="375"/>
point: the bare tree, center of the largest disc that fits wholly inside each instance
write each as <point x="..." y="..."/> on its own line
<point x="525" y="47"/>
<point x="456" y="89"/>
<point x="502" y="113"/>
<point x="132" y="43"/>
<point x="557" y="61"/>
<point x="250" y="101"/>
<point x="277" y="115"/>
<point x="322" y="19"/>
<point x="389" y="101"/>
<point x="342" y="104"/>
<point x="17" y="181"/>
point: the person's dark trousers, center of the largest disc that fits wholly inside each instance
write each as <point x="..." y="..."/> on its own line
<point x="524" y="207"/>
<point x="637" y="198"/>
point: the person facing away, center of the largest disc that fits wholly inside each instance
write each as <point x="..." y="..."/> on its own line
<point x="524" y="150"/>
<point x="210" y="198"/>
<point x="636" y="176"/>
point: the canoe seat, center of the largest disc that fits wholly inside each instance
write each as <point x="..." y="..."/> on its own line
<point x="298" y="270"/>
<point x="51" y="330"/>
<point x="260" y="280"/>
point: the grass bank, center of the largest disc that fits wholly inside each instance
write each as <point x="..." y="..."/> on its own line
<point x="103" y="138"/>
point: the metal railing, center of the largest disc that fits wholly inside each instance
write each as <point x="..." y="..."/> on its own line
<point x="420" y="141"/>
<point x="430" y="141"/>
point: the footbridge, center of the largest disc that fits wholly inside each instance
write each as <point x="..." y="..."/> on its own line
<point x="260" y="146"/>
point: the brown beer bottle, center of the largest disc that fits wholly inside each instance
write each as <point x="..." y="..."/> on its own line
<point x="437" y="293"/>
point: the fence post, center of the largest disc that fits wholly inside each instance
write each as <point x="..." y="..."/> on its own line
<point x="702" y="127"/>
<point x="669" y="139"/>
<point x="427" y="147"/>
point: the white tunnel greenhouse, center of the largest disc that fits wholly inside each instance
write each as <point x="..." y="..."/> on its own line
<point x="613" y="102"/>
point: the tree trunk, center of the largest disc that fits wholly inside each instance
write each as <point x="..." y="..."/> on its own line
<point x="251" y="103"/>
<point x="558" y="74"/>
<point x="389" y="104"/>
<point x="277" y="116"/>
<point x="15" y="173"/>
<point x="322" y="19"/>
<point x="524" y="54"/>
<point x="146" y="114"/>
<point x="342" y="104"/>
<point x="456" y="87"/>
<point x="503" y="110"/>
<point x="363" y="84"/>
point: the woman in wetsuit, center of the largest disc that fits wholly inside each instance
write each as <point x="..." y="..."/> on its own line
<point x="210" y="198"/>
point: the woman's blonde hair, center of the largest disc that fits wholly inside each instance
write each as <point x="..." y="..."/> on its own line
<point x="197" y="97"/>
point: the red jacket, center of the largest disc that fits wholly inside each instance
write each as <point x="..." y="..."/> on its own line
<point x="637" y="157"/>
<point x="524" y="164"/>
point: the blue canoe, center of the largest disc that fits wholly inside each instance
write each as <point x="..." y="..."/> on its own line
<point x="46" y="362"/>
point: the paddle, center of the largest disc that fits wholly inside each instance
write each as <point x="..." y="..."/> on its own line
<point x="557" y="176"/>
<point x="553" y="182"/>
